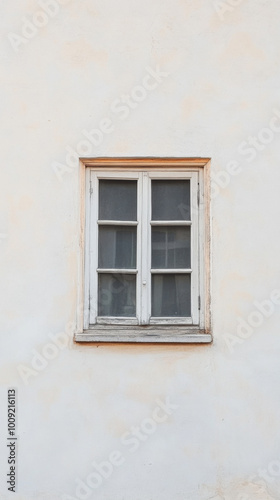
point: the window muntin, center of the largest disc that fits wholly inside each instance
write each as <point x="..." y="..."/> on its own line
<point x="144" y="248"/>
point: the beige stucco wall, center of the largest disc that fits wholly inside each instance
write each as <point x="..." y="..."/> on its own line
<point x="220" y="86"/>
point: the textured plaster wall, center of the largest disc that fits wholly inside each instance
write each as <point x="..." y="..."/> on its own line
<point x="222" y="87"/>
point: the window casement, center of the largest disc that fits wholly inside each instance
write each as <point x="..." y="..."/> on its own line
<point x="146" y="259"/>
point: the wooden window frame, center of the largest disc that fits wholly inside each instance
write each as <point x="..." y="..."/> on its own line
<point x="160" y="330"/>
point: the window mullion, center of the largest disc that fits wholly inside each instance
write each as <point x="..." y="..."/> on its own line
<point x="144" y="275"/>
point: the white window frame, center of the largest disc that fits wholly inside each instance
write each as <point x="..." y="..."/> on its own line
<point x="146" y="328"/>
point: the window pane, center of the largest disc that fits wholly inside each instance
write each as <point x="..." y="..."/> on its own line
<point x="117" y="295"/>
<point x="117" y="247"/>
<point x="171" y="200"/>
<point x="171" y="295"/>
<point x="171" y="247"/>
<point x="117" y="200"/>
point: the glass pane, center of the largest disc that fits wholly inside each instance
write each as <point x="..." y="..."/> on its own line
<point x="117" y="295"/>
<point x="117" y="247"/>
<point x="117" y="200"/>
<point x="171" y="247"/>
<point x="171" y="295"/>
<point x="171" y="200"/>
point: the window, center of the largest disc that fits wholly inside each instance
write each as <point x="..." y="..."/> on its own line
<point x="146" y="253"/>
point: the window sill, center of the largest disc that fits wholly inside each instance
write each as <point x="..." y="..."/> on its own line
<point x="145" y="334"/>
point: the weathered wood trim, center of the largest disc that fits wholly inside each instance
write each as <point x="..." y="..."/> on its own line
<point x="147" y="334"/>
<point x="207" y="246"/>
<point x="202" y="166"/>
<point x="82" y="309"/>
<point x="144" y="162"/>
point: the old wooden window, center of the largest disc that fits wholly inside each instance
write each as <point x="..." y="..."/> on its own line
<point x="145" y="251"/>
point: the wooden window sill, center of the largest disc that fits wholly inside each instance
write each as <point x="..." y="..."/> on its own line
<point x="145" y="334"/>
